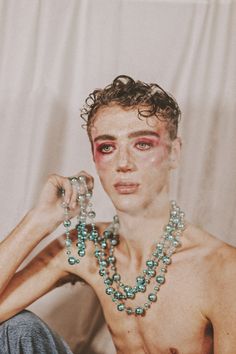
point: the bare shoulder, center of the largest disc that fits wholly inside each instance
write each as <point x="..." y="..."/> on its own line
<point x="218" y="275"/>
<point x="216" y="251"/>
<point x="217" y="261"/>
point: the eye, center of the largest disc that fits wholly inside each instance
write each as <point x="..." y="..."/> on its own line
<point x="106" y="148"/>
<point x="143" y="145"/>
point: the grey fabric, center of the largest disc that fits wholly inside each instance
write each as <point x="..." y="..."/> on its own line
<point x="26" y="333"/>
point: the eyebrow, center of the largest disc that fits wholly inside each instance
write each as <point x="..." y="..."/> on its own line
<point x="130" y="136"/>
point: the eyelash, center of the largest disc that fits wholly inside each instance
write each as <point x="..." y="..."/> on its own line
<point x="148" y="145"/>
<point x="103" y="146"/>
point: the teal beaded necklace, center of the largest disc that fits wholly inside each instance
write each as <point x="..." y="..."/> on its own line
<point x="156" y="265"/>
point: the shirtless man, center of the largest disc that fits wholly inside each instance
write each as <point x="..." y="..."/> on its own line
<point x="132" y="127"/>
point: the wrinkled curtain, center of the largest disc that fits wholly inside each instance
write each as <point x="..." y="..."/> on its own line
<point x="53" y="53"/>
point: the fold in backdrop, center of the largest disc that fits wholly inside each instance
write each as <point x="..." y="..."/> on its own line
<point x="53" y="53"/>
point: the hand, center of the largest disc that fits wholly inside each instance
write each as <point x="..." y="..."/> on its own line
<point x="49" y="205"/>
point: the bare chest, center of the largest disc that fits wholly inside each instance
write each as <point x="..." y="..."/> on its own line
<point x="171" y="325"/>
<point x="174" y="323"/>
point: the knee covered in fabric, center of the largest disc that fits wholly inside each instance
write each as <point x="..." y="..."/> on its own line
<point x="25" y="322"/>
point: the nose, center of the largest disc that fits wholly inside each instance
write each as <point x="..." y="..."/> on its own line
<point x="125" y="161"/>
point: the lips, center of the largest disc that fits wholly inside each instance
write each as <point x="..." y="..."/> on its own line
<point x="126" y="187"/>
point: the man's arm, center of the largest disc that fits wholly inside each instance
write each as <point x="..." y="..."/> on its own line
<point x="18" y="290"/>
<point x="40" y="276"/>
<point x="223" y="300"/>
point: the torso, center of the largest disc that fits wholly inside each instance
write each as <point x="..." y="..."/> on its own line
<point x="177" y="322"/>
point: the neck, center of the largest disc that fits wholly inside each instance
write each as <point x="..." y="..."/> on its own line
<point x="139" y="232"/>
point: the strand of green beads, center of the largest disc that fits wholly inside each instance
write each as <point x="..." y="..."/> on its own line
<point x="68" y="243"/>
<point x="165" y="249"/>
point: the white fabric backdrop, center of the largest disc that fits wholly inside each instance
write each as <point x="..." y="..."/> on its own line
<point x="53" y="53"/>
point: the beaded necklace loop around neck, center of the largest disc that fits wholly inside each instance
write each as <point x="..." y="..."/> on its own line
<point x="156" y="266"/>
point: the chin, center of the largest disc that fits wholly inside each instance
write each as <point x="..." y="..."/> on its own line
<point x="127" y="203"/>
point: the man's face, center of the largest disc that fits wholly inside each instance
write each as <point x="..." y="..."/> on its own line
<point x="133" y="157"/>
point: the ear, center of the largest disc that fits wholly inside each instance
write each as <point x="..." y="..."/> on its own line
<point x="175" y="153"/>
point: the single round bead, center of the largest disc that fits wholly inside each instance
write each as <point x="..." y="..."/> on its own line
<point x="151" y="272"/>
<point x="111" y="259"/>
<point x="80" y="245"/>
<point x="103" y="263"/>
<point x="97" y="253"/>
<point x="104" y="244"/>
<point x="150" y="263"/>
<point x="120" y="307"/>
<point x="176" y="221"/>
<point x="71" y="260"/>
<point x="142" y="288"/>
<point x="117" y="295"/>
<point x="139" y="311"/>
<point x="152" y="297"/>
<point x="81" y="198"/>
<point x="114" y="242"/>
<point x="108" y="281"/>
<point x="81" y="179"/>
<point x="110" y="291"/>
<point x="115" y="218"/>
<point x="127" y="288"/>
<point x="140" y="280"/>
<point x="102" y="272"/>
<point x="166" y="260"/>
<point x="160" y="279"/>
<point x="176" y="243"/>
<point x="147" y="305"/>
<point x="89" y="195"/>
<point x="116" y="277"/>
<point x="81" y="253"/>
<point x="73" y="180"/>
<point x="107" y="233"/>
<point x="91" y="214"/>
<point x="181" y="226"/>
<point x="130" y="294"/>
<point x="68" y="242"/>
<point x="129" y="310"/>
<point x="67" y="223"/>
<point x="159" y="246"/>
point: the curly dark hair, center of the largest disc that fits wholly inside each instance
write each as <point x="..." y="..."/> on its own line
<point x="149" y="100"/>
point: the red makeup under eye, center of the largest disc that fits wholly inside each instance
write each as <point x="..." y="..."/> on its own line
<point x="105" y="148"/>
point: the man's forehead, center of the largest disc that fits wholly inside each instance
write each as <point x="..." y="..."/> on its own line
<point x="118" y="121"/>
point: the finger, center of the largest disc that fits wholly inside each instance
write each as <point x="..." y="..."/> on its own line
<point x="67" y="188"/>
<point x="73" y="202"/>
<point x="89" y="179"/>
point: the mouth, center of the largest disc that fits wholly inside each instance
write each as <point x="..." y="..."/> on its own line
<point x="126" y="187"/>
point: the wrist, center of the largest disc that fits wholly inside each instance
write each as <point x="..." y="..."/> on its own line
<point x="43" y="220"/>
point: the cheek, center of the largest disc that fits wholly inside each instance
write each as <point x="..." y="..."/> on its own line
<point x="102" y="163"/>
<point x="155" y="158"/>
<point x="97" y="157"/>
